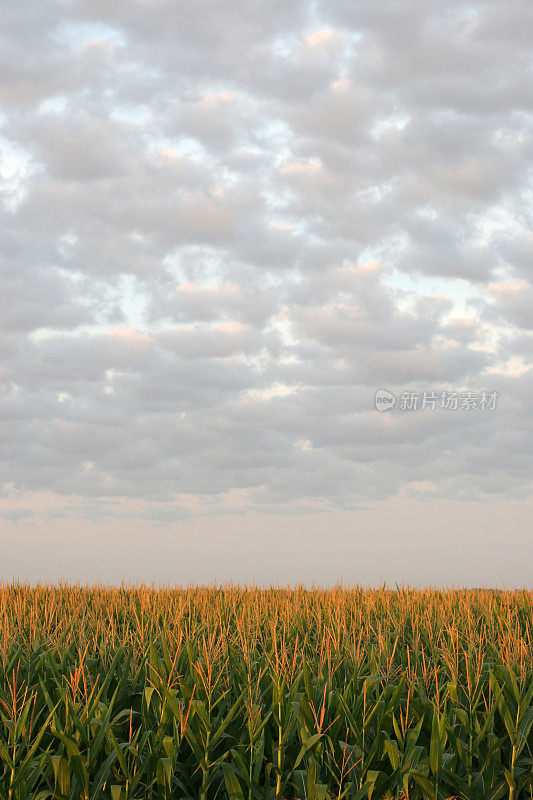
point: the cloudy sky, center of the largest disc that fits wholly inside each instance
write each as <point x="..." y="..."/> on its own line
<point x="224" y="226"/>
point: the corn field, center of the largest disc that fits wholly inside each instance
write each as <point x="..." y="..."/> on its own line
<point x="241" y="693"/>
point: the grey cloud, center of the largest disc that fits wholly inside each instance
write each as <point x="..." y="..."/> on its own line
<point x="206" y="214"/>
<point x="513" y="303"/>
<point x="80" y="149"/>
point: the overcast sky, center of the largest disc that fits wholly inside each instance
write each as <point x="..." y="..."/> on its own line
<point x="223" y="227"/>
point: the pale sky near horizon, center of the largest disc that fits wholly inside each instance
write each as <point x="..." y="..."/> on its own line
<point x="223" y="227"/>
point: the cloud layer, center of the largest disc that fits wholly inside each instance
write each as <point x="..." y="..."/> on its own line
<point x="223" y="229"/>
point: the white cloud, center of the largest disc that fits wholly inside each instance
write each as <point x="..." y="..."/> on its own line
<point x="222" y="230"/>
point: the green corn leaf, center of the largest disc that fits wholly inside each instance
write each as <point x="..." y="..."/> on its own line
<point x="310" y="743"/>
<point x="233" y="786"/>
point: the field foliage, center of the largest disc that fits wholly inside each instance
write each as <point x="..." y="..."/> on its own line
<point x="137" y="693"/>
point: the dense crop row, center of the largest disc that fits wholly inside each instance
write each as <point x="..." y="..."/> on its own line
<point x="241" y="694"/>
